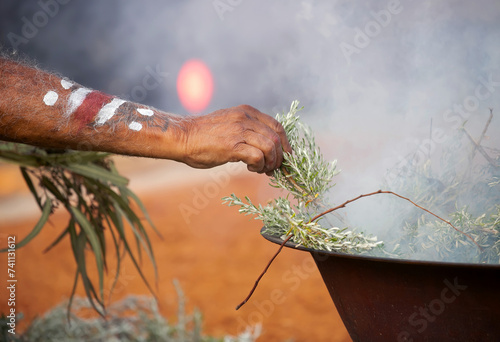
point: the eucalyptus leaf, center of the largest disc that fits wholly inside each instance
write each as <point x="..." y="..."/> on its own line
<point x="98" y="173"/>
<point x="88" y="186"/>
<point x="137" y="200"/>
<point x="132" y="257"/>
<point x="118" y="258"/>
<point x="81" y="241"/>
<point x="31" y="186"/>
<point x="15" y="158"/>
<point x="92" y="237"/>
<point x="57" y="240"/>
<point x="306" y="176"/>
<point x="47" y="208"/>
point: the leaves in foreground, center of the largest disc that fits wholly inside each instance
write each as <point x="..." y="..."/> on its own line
<point x="133" y="318"/>
<point x="88" y="186"/>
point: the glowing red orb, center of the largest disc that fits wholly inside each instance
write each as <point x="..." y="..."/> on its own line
<point x="195" y="86"/>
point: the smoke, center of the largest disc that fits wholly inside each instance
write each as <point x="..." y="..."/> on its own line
<point x="372" y="75"/>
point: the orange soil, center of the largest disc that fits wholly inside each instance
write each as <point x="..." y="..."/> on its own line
<point x="216" y="257"/>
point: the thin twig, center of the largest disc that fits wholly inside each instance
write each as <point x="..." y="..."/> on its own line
<point x="397" y="195"/>
<point x="483" y="134"/>
<point x="264" y="272"/>
<point x="485" y="129"/>
<point x="480" y="149"/>
<point x="339" y="207"/>
<point x="312" y="199"/>
<point x="292" y="181"/>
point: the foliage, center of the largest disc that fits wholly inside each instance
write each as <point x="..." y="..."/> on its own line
<point x="433" y="240"/>
<point x="463" y="184"/>
<point x="304" y="173"/>
<point x="134" y="318"/>
<point x="307" y="177"/>
<point x="88" y="186"/>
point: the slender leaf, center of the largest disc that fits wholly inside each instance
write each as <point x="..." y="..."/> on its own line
<point x="30" y="185"/>
<point x="74" y="157"/>
<point x="143" y="240"/>
<point x="57" y="240"/>
<point x="137" y="200"/>
<point x="99" y="173"/>
<point x="101" y="195"/>
<point x="125" y="210"/>
<point x="121" y="232"/>
<point x="49" y="185"/>
<point x="116" y="202"/>
<point x="38" y="227"/>
<point x="118" y="258"/>
<point x="72" y="294"/>
<point x="94" y="221"/>
<point x="94" y="242"/>
<point x="17" y="159"/>
<point x="82" y="265"/>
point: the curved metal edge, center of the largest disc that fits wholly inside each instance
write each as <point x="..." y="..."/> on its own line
<point x="292" y="245"/>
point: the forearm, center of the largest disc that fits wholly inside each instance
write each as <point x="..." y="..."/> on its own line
<point x="42" y="109"/>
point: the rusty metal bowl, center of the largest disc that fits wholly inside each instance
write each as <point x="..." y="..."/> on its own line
<point x="384" y="299"/>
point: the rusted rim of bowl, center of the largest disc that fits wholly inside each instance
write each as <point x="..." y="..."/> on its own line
<point x="277" y="240"/>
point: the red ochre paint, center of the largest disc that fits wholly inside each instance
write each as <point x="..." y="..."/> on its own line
<point x="90" y="106"/>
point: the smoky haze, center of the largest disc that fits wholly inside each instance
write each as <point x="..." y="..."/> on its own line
<point x="379" y="79"/>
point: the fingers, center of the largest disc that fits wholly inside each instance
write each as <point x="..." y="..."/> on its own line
<point x="273" y="124"/>
<point x="259" y="152"/>
<point x="267" y="135"/>
<point x="253" y="157"/>
<point x="236" y="134"/>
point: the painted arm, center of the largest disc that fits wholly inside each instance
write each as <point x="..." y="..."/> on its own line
<point x="41" y="109"/>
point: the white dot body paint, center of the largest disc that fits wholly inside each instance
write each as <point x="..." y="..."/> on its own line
<point x="145" y="111"/>
<point x="108" y="111"/>
<point x="50" y="98"/>
<point x="76" y="99"/>
<point x="66" y="84"/>
<point x="135" y="126"/>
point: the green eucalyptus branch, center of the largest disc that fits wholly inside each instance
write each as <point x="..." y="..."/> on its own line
<point x="88" y="186"/>
<point x="307" y="176"/>
<point x="465" y="187"/>
<point x="304" y="173"/>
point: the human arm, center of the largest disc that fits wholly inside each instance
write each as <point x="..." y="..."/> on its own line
<point x="41" y="109"/>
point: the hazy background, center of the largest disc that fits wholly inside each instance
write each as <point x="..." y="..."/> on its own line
<point x="371" y="81"/>
<point x="370" y="88"/>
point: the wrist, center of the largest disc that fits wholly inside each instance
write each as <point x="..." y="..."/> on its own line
<point x="172" y="143"/>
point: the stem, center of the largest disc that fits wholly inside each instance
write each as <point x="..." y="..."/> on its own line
<point x="397" y="195"/>
<point x="480" y="149"/>
<point x="264" y="272"/>
<point x="297" y="187"/>
<point x="339" y="207"/>
<point x="485" y="129"/>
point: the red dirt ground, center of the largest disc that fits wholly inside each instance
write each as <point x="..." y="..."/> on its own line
<point x="214" y="252"/>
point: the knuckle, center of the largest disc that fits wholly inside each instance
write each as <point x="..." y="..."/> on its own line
<point x="256" y="160"/>
<point x="277" y="127"/>
<point x="246" y="108"/>
<point x="239" y="116"/>
<point x="269" y="147"/>
<point x="238" y="146"/>
<point x="276" y="139"/>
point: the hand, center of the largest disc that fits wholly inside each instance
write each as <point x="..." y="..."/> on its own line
<point x="239" y="133"/>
